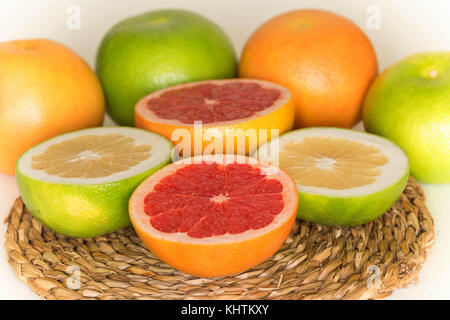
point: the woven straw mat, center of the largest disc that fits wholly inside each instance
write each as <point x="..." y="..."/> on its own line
<point x="315" y="262"/>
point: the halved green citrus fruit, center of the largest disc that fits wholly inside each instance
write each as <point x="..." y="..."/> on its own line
<point x="79" y="183"/>
<point x="344" y="177"/>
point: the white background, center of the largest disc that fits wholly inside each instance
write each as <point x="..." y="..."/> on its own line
<point x="407" y="26"/>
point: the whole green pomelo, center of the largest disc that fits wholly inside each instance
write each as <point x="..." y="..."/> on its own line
<point x="409" y="103"/>
<point x="158" y="49"/>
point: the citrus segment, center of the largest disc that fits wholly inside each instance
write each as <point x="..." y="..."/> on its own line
<point x="223" y="213"/>
<point x="344" y="177"/>
<point x="227" y="113"/>
<point x="79" y="183"/>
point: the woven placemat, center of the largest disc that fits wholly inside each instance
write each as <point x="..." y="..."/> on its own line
<point x="315" y="262"/>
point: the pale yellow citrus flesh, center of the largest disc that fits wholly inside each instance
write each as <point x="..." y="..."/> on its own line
<point x="91" y="156"/>
<point x="333" y="163"/>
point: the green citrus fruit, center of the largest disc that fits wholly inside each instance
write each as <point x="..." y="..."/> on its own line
<point x="344" y="177"/>
<point x="409" y="103"/>
<point x="158" y="49"/>
<point x="79" y="183"/>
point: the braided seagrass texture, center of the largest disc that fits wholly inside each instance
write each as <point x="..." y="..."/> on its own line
<point x="316" y="262"/>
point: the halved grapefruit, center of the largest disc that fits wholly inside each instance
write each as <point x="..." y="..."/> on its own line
<point x="217" y="116"/>
<point x="79" y="183"/>
<point x="216" y="215"/>
<point x="344" y="177"/>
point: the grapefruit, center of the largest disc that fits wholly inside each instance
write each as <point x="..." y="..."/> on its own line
<point x="158" y="49"/>
<point x="213" y="216"/>
<point x="325" y="60"/>
<point x="79" y="183"/>
<point x="236" y="115"/>
<point x="45" y="90"/>
<point x="344" y="177"/>
<point x="409" y="103"/>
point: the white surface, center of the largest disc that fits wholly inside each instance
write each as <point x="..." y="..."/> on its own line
<point x="407" y="26"/>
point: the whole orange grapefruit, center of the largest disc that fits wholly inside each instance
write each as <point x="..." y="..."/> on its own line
<point x="45" y="90"/>
<point x="325" y="60"/>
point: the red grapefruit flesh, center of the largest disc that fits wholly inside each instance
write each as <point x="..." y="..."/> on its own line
<point x="216" y="215"/>
<point x="219" y="105"/>
<point x="213" y="102"/>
